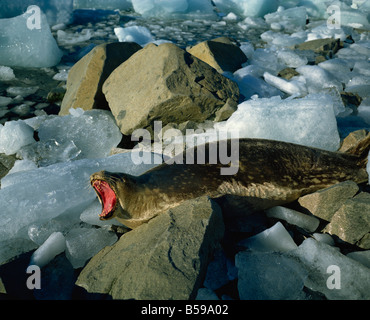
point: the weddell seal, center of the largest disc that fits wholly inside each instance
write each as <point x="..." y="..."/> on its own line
<point x="270" y="173"/>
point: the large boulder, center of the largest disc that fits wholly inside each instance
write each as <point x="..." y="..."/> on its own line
<point x="86" y="77"/>
<point x="163" y="259"/>
<point x="325" y="202"/>
<point x="167" y="84"/>
<point x="221" y="54"/>
<point x="351" y="223"/>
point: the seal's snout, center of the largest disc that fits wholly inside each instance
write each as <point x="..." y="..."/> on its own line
<point x="107" y="198"/>
<point x="97" y="176"/>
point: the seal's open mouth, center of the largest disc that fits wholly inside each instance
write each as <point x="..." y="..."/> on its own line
<point x="107" y="198"/>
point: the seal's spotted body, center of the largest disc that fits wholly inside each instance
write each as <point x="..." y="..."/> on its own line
<point x="270" y="173"/>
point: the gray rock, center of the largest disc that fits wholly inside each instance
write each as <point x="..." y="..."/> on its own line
<point x="352" y="221"/>
<point x="288" y="73"/>
<point x="355" y="141"/>
<point x="221" y="54"/>
<point x="326" y="47"/>
<point x="6" y="163"/>
<point x="165" y="258"/>
<point x="86" y="77"/>
<point x="364" y="243"/>
<point x="2" y="288"/>
<point x="324" y="203"/>
<point x="216" y="276"/>
<point x="167" y="84"/>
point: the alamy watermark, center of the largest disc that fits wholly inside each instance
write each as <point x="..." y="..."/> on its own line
<point x="34" y="18"/>
<point x="334" y="280"/>
<point x="182" y="149"/>
<point x="334" y="20"/>
<point x="335" y="15"/>
<point x="34" y="280"/>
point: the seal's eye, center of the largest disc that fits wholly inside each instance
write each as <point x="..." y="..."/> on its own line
<point x="107" y="197"/>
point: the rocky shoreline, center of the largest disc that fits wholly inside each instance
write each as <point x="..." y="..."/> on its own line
<point x="196" y="250"/>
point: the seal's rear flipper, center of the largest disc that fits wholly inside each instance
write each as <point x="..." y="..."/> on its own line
<point x="357" y="143"/>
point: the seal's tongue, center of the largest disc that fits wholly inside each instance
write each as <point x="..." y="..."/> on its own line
<point x="107" y="197"/>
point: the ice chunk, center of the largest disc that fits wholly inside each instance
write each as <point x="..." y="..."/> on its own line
<point x="315" y="8"/>
<point x="338" y="104"/>
<point x="6" y="74"/>
<point x="359" y="84"/>
<point x="275" y="238"/>
<point x="361" y="52"/>
<point x="94" y="133"/>
<point x="14" y="247"/>
<point x="61" y="76"/>
<point x="248" y="49"/>
<point x="362" y="67"/>
<point x="253" y="23"/>
<point x="289" y="20"/>
<point x="231" y="17"/>
<point x="333" y="65"/>
<point x="283" y="40"/>
<point x="266" y="60"/>
<point x="308" y="121"/>
<point x="324" y="237"/>
<point x="332" y="273"/>
<point x="299" y="219"/>
<point x="138" y="34"/>
<point x="23" y="44"/>
<point x="361" y="256"/>
<point x="83" y="243"/>
<point x="42" y="194"/>
<point x="106" y="4"/>
<point x="354" y="18"/>
<point x="269" y="276"/>
<point x="291" y="59"/>
<point x="318" y="78"/>
<point x="3" y="111"/>
<point x="323" y="32"/>
<point x="53" y="246"/>
<point x="40" y="231"/>
<point x="22" y="165"/>
<point x="46" y="153"/>
<point x="56" y="11"/>
<point x="247" y="8"/>
<point x="5" y="101"/>
<point x="291" y="87"/>
<point x="250" y="83"/>
<point x="14" y="135"/>
<point x="174" y="8"/>
<point x="91" y="216"/>
<point x="67" y="38"/>
<point x="21" y="91"/>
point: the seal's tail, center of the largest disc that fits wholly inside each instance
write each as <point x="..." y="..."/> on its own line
<point x="360" y="148"/>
